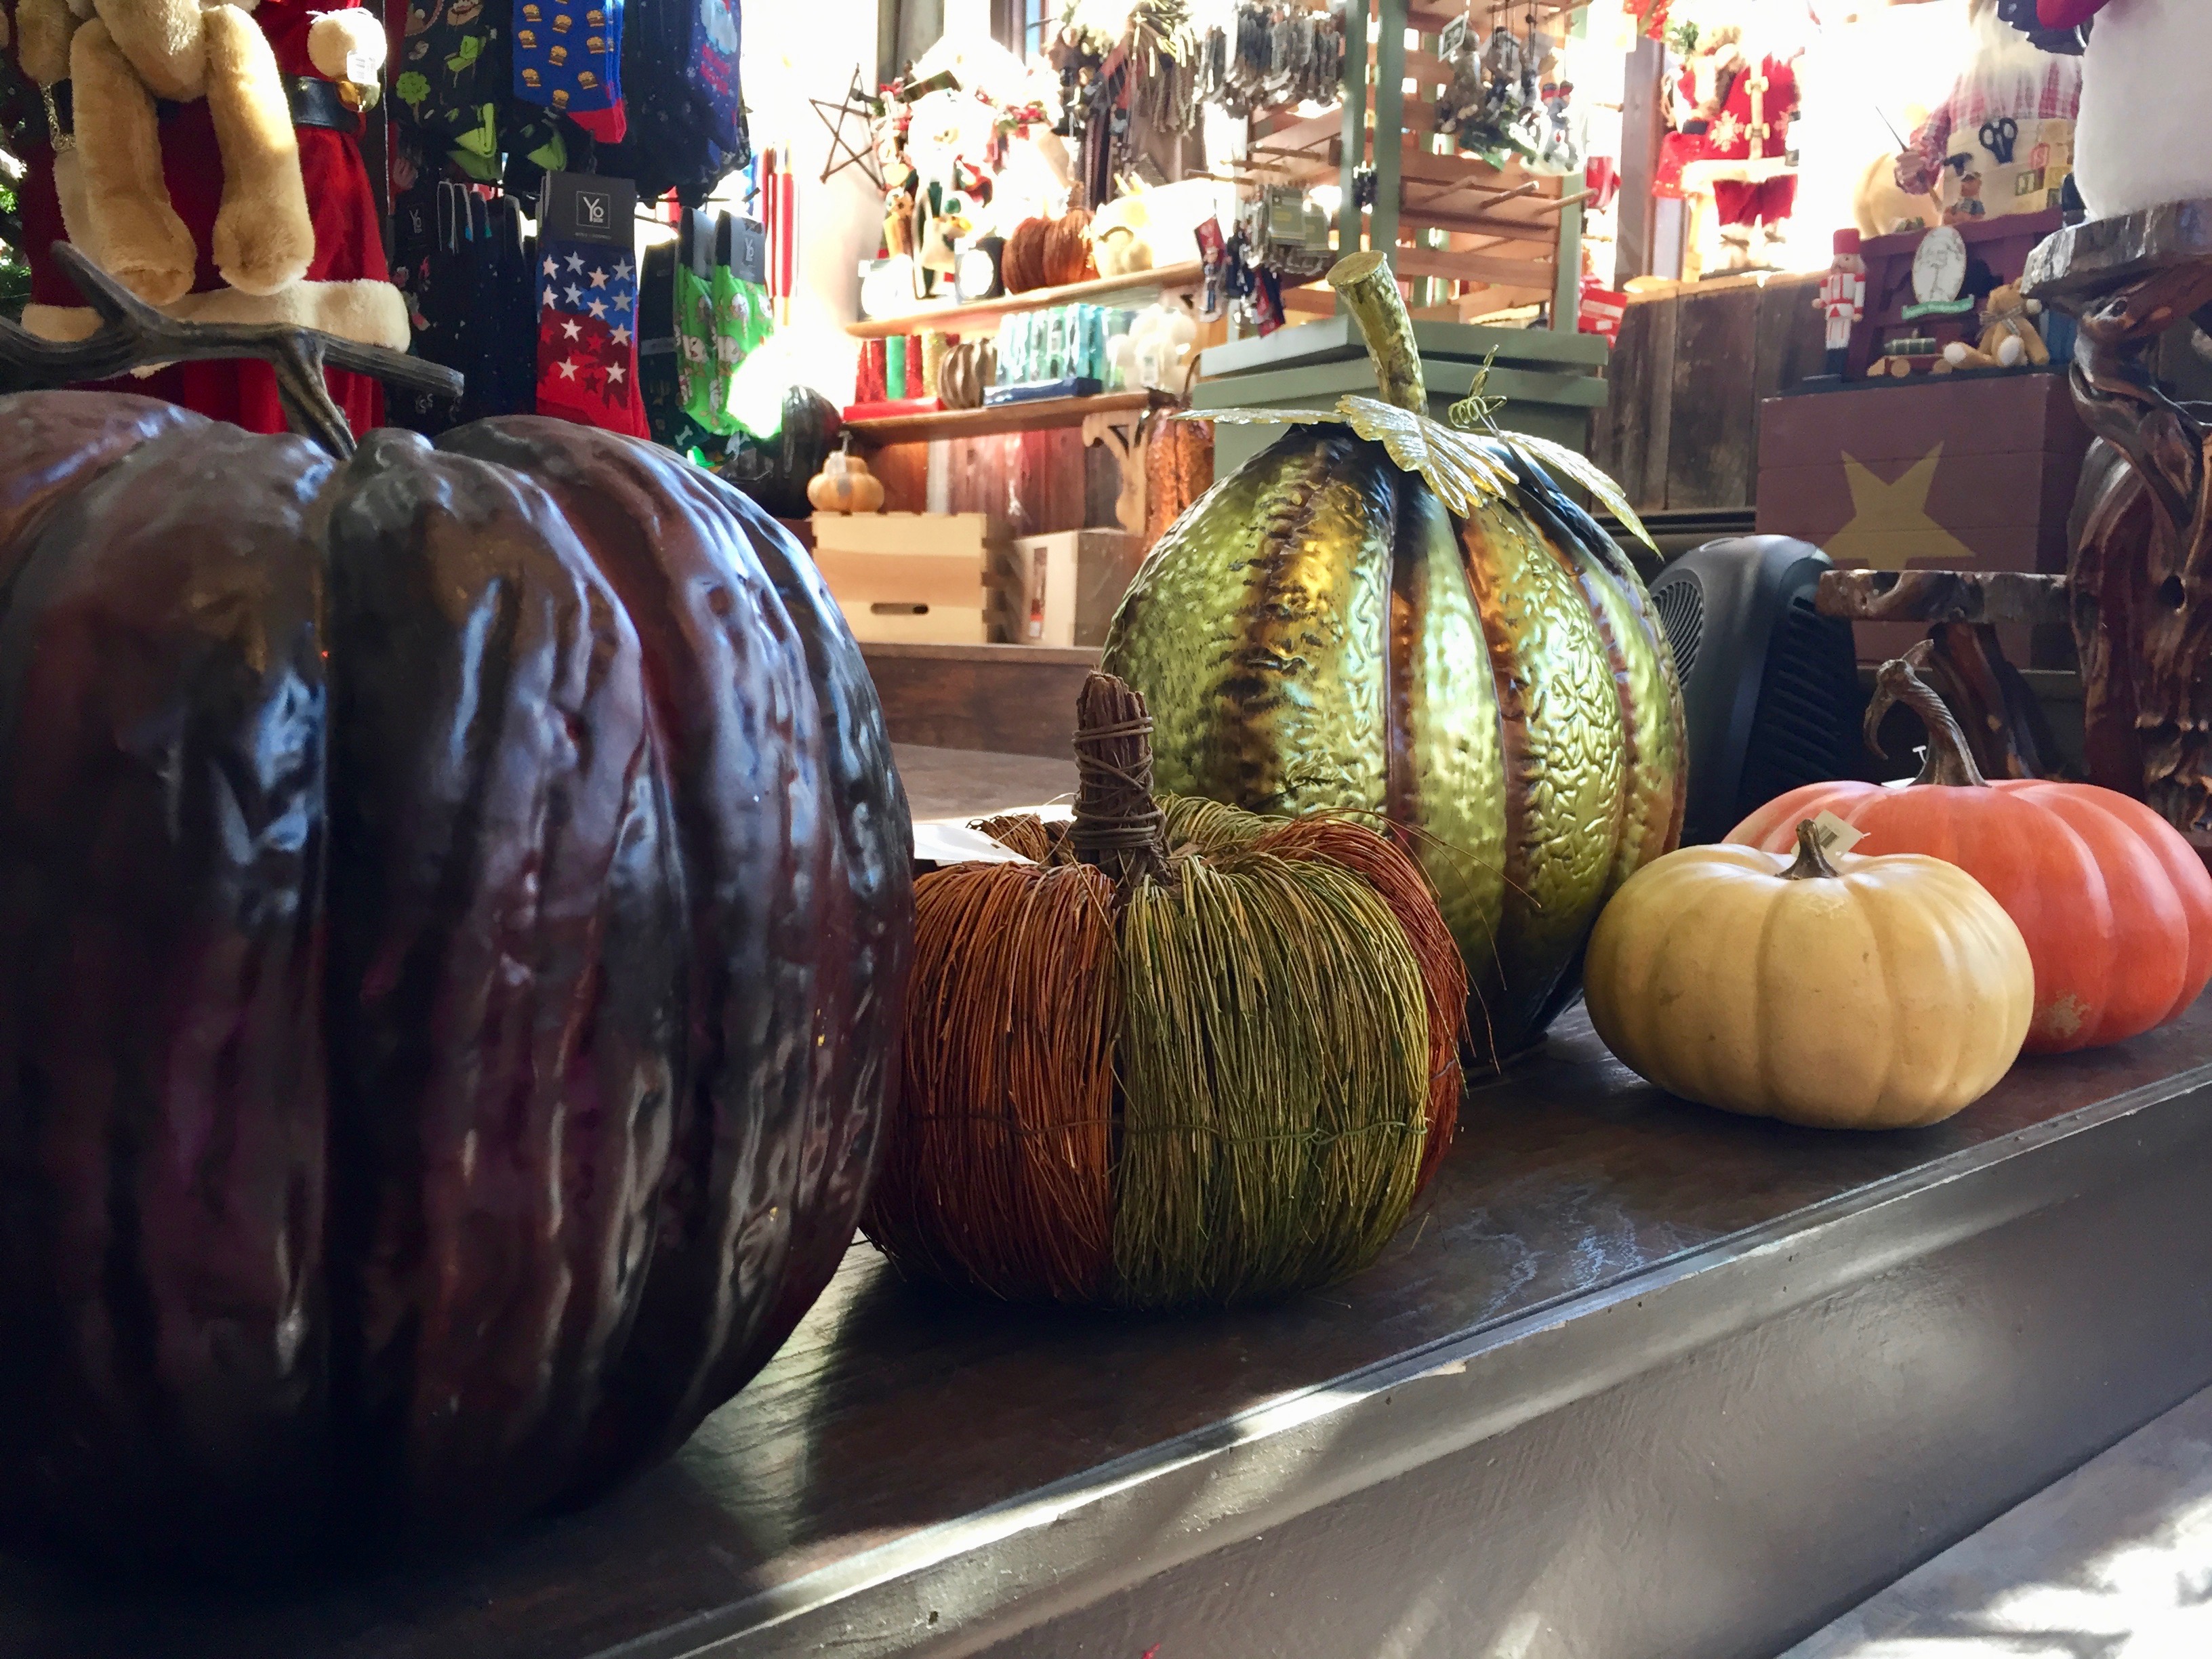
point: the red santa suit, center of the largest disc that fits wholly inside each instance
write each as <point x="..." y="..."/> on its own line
<point x="347" y="290"/>
<point x="1751" y="123"/>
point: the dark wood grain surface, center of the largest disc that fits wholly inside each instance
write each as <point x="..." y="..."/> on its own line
<point x="894" y="1408"/>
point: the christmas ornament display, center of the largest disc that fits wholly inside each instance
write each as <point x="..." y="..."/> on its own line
<point x="2114" y="906"/>
<point x="1184" y="1056"/>
<point x="482" y="865"/>
<point x="1843" y="992"/>
<point x="1383" y="614"/>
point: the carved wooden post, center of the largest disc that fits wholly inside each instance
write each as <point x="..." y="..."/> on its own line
<point x="2141" y="611"/>
<point x="2004" y="726"/>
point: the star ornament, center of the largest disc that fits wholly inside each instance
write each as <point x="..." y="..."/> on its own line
<point x="1890" y="528"/>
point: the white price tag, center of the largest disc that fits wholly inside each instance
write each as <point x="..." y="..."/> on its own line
<point x="948" y="840"/>
<point x="361" y="69"/>
<point x="1835" y="835"/>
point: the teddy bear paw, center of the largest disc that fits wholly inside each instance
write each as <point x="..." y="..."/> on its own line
<point x="149" y="253"/>
<point x="258" y="251"/>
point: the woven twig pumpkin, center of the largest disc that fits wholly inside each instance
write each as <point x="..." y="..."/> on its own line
<point x="1189" y="1055"/>
<point x="1021" y="267"/>
<point x="1068" y="250"/>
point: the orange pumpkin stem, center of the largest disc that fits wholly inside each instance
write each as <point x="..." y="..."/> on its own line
<point x="1119" y="829"/>
<point x="1812" y="857"/>
<point x="1950" y="762"/>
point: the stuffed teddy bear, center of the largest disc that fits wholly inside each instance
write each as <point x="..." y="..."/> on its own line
<point x="239" y="196"/>
<point x="2010" y="335"/>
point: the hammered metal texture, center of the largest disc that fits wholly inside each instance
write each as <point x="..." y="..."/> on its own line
<point x="1320" y="631"/>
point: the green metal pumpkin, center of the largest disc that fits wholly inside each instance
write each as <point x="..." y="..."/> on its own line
<point x="1382" y="614"/>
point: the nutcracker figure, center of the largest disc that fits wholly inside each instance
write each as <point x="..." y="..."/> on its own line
<point x="1843" y="299"/>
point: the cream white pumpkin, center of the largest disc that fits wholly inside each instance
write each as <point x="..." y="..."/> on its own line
<point x="1845" y="993"/>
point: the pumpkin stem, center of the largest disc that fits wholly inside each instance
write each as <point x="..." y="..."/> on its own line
<point x="1812" y="857"/>
<point x="1119" y="829"/>
<point x="1950" y="762"/>
<point x="132" y="334"/>
<point x="1370" y="292"/>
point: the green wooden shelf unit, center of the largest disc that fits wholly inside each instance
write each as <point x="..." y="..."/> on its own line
<point x="1471" y="239"/>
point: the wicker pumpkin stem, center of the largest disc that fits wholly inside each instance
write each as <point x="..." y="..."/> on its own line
<point x="1950" y="762"/>
<point x="1364" y="282"/>
<point x="1118" y="827"/>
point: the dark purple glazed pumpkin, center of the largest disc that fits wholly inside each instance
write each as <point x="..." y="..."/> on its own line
<point x="454" y="906"/>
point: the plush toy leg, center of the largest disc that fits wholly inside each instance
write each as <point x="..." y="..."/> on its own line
<point x="163" y="40"/>
<point x="126" y="205"/>
<point x="264" y="239"/>
<point x="43" y="28"/>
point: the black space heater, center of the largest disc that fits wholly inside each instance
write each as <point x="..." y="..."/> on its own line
<point x="1769" y="687"/>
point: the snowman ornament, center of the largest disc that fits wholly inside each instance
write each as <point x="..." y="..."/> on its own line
<point x="2142" y="139"/>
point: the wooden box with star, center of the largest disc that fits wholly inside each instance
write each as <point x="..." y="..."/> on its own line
<point x="1956" y="473"/>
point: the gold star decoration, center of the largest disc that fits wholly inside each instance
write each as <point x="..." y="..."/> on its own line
<point x="1890" y="528"/>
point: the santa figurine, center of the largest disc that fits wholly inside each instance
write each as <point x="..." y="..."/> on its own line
<point x="2143" y="139"/>
<point x="208" y="156"/>
<point x="1843" y="300"/>
<point x="1737" y="110"/>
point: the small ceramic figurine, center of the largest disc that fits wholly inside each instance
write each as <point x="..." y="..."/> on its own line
<point x="1843" y="299"/>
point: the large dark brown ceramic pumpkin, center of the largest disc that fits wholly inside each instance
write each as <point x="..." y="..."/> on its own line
<point x="455" y="910"/>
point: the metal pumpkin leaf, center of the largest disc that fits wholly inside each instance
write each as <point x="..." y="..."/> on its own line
<point x="1457" y="466"/>
<point x="1559" y="459"/>
<point x="1263" y="417"/>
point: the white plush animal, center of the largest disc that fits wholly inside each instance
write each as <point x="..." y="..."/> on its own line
<point x="2144" y="136"/>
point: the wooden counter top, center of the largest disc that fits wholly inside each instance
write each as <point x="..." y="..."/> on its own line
<point x="1635" y="1371"/>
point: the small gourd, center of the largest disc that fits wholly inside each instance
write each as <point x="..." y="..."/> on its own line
<point x="1844" y="992"/>
<point x="845" y="485"/>
<point x="2116" y="907"/>
<point x="969" y="367"/>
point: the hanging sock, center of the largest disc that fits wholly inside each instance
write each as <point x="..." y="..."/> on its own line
<point x="698" y="369"/>
<point x="568" y="58"/>
<point x="587" y="304"/>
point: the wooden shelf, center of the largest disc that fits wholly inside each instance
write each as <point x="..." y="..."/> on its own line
<point x="1038" y="416"/>
<point x="951" y="318"/>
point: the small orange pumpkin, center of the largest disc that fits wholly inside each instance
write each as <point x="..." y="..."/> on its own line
<point x="845" y="485"/>
<point x="2114" y="906"/>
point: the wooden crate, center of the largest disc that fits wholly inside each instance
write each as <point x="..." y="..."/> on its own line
<point x="1694" y="363"/>
<point x="1062" y="590"/>
<point x="918" y="578"/>
<point x="1960" y="472"/>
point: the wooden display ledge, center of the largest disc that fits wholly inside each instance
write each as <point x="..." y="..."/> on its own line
<point x="953" y="320"/>
<point x="994" y="421"/>
<point x="1636" y="1376"/>
<point x="1007" y="699"/>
